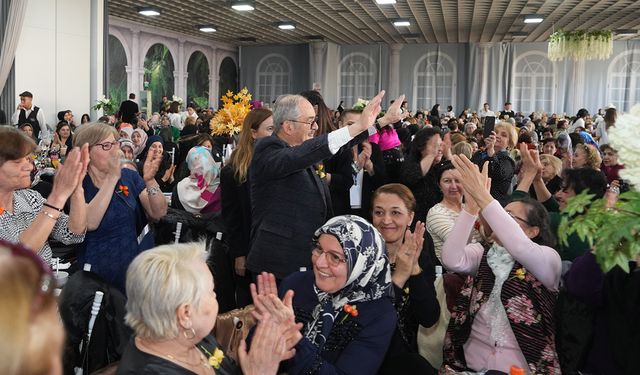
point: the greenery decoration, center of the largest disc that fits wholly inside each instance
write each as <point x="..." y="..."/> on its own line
<point x="580" y="45"/>
<point x="229" y="119"/>
<point x="108" y="106"/>
<point x="613" y="231"/>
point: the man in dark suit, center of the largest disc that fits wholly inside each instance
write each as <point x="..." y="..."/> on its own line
<point x="289" y="200"/>
<point x="129" y="110"/>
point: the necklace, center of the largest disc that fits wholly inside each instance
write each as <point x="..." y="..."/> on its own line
<point x="202" y="362"/>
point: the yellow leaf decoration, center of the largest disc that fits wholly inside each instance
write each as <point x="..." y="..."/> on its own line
<point x="229" y="119"/>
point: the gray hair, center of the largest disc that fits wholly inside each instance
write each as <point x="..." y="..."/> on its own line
<point x="287" y="107"/>
<point x="93" y="134"/>
<point x="158" y="282"/>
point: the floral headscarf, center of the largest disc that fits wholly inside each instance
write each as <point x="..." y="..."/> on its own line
<point x="199" y="192"/>
<point x="368" y="272"/>
<point x="137" y="149"/>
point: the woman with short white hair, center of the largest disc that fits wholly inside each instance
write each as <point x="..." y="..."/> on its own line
<point x="172" y="309"/>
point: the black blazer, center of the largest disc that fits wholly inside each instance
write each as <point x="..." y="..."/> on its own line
<point x="128" y="110"/>
<point x="236" y="212"/>
<point x="289" y="202"/>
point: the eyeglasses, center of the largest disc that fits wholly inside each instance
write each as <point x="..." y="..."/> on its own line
<point x="518" y="218"/>
<point x="108" y="145"/>
<point x="333" y="259"/>
<point x="314" y="121"/>
<point x="45" y="285"/>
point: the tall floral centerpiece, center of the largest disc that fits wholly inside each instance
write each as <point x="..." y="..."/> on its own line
<point x="229" y="119"/>
<point x="580" y="45"/>
<point x="105" y="104"/>
<point x="613" y="231"/>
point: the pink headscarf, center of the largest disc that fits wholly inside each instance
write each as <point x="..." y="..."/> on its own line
<point x="137" y="149"/>
<point x="200" y="193"/>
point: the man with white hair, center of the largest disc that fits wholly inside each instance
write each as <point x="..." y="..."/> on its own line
<point x="289" y="200"/>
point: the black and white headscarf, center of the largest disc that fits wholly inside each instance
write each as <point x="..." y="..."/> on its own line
<point x="368" y="273"/>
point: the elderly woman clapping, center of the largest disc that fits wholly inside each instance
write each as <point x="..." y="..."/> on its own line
<point x="25" y="216"/>
<point x="172" y="309"/>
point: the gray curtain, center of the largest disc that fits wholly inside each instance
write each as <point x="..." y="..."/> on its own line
<point x="7" y="97"/>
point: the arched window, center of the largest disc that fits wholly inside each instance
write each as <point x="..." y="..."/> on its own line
<point x="533" y="83"/>
<point x="272" y="77"/>
<point x="624" y="80"/>
<point x="358" y="78"/>
<point x="198" y="80"/>
<point x="117" y="72"/>
<point x="434" y="81"/>
<point x="158" y="71"/>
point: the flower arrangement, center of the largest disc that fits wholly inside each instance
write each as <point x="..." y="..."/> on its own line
<point x="361" y="103"/>
<point x="580" y="45"/>
<point x="216" y="358"/>
<point x="106" y="105"/>
<point x="229" y="119"/>
<point x="177" y="99"/>
<point x="612" y="230"/>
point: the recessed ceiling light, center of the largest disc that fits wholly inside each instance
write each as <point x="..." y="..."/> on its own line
<point x="207" y="28"/>
<point x="533" y="18"/>
<point x="286" y="26"/>
<point x="386" y="1"/>
<point x="401" y="22"/>
<point x="149" y="11"/>
<point x="626" y="32"/>
<point x="243" y="6"/>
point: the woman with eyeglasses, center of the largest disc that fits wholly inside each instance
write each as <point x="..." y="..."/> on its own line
<point x="504" y="315"/>
<point x="119" y="203"/>
<point x="344" y="303"/>
<point x="25" y="216"/>
<point x="32" y="333"/>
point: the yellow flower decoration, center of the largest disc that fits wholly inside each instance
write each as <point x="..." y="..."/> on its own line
<point x="520" y="273"/>
<point x="229" y="119"/>
<point x="215" y="359"/>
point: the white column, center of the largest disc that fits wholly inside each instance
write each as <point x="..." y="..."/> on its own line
<point x="97" y="56"/>
<point x="129" y="71"/>
<point x="137" y="62"/>
<point x="213" y="78"/>
<point x="394" y="72"/>
<point x="484" y="83"/>
<point x="318" y="49"/>
<point x="578" y="86"/>
<point x="181" y="84"/>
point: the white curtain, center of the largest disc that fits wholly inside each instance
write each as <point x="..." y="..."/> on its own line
<point x="15" y="18"/>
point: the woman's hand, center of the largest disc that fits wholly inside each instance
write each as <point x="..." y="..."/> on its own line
<point x="168" y="175"/>
<point x="394" y="113"/>
<point x="531" y="166"/>
<point x="446" y="146"/>
<point x="68" y="176"/>
<point x="240" y="266"/>
<point x="364" y="155"/>
<point x="84" y="159"/>
<point x="473" y="181"/>
<point x="489" y="144"/>
<point x="268" y="348"/>
<point x="151" y="165"/>
<point x="408" y="254"/>
<point x="431" y="149"/>
<point x="368" y="117"/>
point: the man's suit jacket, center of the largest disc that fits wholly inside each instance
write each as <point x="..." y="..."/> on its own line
<point x="289" y="202"/>
<point x="128" y="110"/>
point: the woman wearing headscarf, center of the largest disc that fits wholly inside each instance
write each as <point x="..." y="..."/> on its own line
<point x="139" y="139"/>
<point x="164" y="176"/>
<point x="199" y="192"/>
<point x="344" y="303"/>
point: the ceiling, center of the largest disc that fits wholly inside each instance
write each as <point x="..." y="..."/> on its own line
<point x="365" y="22"/>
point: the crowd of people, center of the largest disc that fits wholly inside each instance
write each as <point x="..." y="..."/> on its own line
<point x="335" y="222"/>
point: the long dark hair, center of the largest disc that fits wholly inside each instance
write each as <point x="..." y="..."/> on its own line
<point x="537" y="216"/>
<point x="420" y="140"/>
<point x="325" y="120"/>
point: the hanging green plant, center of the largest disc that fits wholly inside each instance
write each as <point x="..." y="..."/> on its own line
<point x="580" y="45"/>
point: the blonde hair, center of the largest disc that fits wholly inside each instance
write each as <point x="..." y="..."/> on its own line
<point x="242" y="155"/>
<point x="592" y="155"/>
<point x="555" y="163"/>
<point x="158" y="282"/>
<point x="25" y="317"/>
<point x="463" y="148"/>
<point x="93" y="133"/>
<point x="511" y="130"/>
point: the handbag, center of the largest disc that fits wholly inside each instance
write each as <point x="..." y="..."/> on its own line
<point x="232" y="327"/>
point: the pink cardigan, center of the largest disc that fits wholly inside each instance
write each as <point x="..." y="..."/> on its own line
<point x="542" y="261"/>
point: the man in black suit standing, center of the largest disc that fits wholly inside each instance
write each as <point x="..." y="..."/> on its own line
<point x="129" y="110"/>
<point x="289" y="200"/>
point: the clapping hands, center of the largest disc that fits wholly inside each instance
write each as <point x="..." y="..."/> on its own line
<point x="408" y="254"/>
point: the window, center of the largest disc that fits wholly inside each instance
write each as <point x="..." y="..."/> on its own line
<point x="272" y="78"/>
<point x="624" y="80"/>
<point x="434" y="81"/>
<point x="358" y="78"/>
<point x="533" y="83"/>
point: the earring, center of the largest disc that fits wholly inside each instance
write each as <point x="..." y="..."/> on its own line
<point x="193" y="333"/>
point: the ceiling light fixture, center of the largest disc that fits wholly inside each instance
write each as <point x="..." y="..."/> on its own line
<point x="149" y="11"/>
<point x="533" y="18"/>
<point x="243" y="6"/>
<point x="385" y="1"/>
<point x="626" y="32"/>
<point x="207" y="28"/>
<point x="401" y="22"/>
<point x="286" y="25"/>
